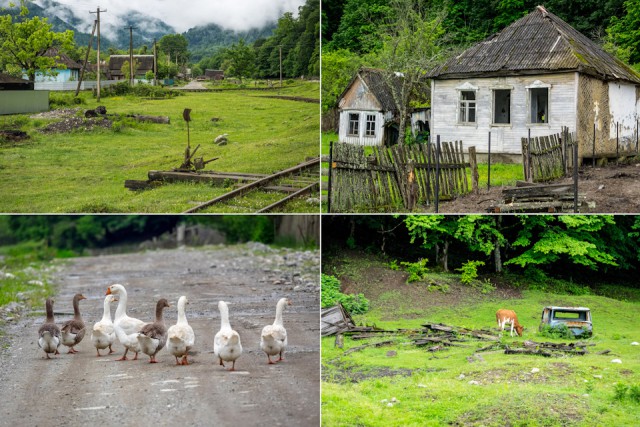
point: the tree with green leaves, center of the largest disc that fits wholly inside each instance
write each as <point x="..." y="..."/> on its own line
<point x="24" y="42"/>
<point x="176" y="47"/>
<point x="240" y="60"/>
<point x="412" y="43"/>
<point x="126" y="69"/>
<point x="623" y="35"/>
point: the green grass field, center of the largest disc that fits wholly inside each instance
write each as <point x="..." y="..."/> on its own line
<point x="444" y="388"/>
<point x="84" y="171"/>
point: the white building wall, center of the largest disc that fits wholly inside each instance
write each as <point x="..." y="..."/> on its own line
<point x="505" y="138"/>
<point x="361" y="139"/>
<point x="623" y="110"/>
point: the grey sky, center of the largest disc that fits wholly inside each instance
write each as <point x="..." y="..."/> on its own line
<point x="180" y="14"/>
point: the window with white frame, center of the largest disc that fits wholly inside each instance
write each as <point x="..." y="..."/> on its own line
<point x="467" y="113"/>
<point x="354" y="124"/>
<point x="370" y="129"/>
<point x="539" y="105"/>
<point x="501" y="106"/>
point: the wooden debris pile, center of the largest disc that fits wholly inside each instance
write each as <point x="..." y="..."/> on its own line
<point x="438" y="336"/>
<point x="549" y="349"/>
<point x="531" y="197"/>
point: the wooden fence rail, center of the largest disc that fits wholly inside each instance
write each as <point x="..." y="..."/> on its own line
<point x="397" y="177"/>
<point x="546" y="158"/>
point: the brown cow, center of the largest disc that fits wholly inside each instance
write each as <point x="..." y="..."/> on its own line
<point x="508" y="316"/>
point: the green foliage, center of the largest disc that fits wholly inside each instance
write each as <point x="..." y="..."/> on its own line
<point x="487" y="287"/>
<point x="239" y="61"/>
<point x="393" y="265"/>
<point x="14" y="121"/>
<point x="142" y="90"/>
<point x="623" y="37"/>
<point x="64" y="100"/>
<point x="509" y="12"/>
<point x="176" y="46"/>
<point x="360" y="24"/>
<point x="469" y="271"/>
<point x="620" y="391"/>
<point x="560" y="331"/>
<point x="634" y="393"/>
<point x="24" y="41"/>
<point x="338" y="68"/>
<point x="417" y="270"/>
<point x="331" y="295"/>
<point x="563" y="238"/>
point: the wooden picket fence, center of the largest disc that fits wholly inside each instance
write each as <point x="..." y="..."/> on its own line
<point x="395" y="178"/>
<point x="546" y="158"/>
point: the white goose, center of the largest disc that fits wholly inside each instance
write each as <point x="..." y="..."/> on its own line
<point x="129" y="325"/>
<point x="226" y="344"/>
<point x="273" y="340"/>
<point x="103" y="335"/>
<point x="181" y="336"/>
<point x="129" y="341"/>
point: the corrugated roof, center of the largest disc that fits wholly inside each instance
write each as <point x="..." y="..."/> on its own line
<point x="62" y="58"/>
<point x="538" y="43"/>
<point x="145" y="63"/>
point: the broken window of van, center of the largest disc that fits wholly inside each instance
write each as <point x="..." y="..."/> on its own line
<point x="467" y="106"/>
<point x="354" y="124"/>
<point x="539" y="102"/>
<point x="502" y="106"/>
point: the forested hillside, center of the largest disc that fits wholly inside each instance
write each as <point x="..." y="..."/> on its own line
<point x="353" y="30"/>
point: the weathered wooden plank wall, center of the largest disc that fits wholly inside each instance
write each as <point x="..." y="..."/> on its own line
<point x="395" y="178"/>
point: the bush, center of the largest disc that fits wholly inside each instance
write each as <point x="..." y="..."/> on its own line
<point x="14" y="122"/>
<point x="417" y="270"/>
<point x="331" y="295"/>
<point x="64" y="100"/>
<point x="469" y="271"/>
<point x="634" y="393"/>
<point x="619" y="391"/>
<point x="559" y="332"/>
<point x="142" y="90"/>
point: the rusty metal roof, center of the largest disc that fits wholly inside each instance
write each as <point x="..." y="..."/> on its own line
<point x="538" y="43"/>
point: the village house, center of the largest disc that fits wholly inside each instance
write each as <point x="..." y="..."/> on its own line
<point x="538" y="74"/>
<point x="66" y="69"/>
<point x="368" y="112"/>
<point x="145" y="63"/>
<point x="214" y="74"/>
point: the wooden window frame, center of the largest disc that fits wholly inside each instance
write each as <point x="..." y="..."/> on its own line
<point x="370" y="132"/>
<point x="351" y="129"/>
<point x="465" y="107"/>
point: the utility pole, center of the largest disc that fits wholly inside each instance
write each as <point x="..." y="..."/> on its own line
<point x="280" y="48"/>
<point x="97" y="12"/>
<point x="131" y="76"/>
<point x="155" y="63"/>
<point x="86" y="58"/>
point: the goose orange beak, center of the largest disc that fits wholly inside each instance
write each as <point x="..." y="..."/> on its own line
<point x="108" y="291"/>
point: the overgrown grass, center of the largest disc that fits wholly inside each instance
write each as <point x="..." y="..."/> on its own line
<point x="85" y="171"/>
<point x="435" y="388"/>
<point x="24" y="275"/>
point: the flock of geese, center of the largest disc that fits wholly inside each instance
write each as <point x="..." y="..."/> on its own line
<point x="137" y="336"/>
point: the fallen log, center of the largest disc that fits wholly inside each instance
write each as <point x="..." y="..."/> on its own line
<point x="151" y="119"/>
<point x="362" y="347"/>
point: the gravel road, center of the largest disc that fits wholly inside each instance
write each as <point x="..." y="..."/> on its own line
<point x="83" y="389"/>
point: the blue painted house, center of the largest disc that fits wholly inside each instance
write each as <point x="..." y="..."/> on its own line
<point x="70" y="73"/>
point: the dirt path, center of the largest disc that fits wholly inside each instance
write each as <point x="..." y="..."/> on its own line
<point x="83" y="389"/>
<point x="610" y="189"/>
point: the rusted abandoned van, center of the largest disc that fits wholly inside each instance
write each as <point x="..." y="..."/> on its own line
<point x="577" y="319"/>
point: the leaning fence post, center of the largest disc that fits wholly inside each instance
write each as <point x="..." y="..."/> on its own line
<point x="437" y="188"/>
<point x="593" y="160"/>
<point x="529" y="160"/>
<point x="412" y="186"/>
<point x="617" y="143"/>
<point x="565" y="146"/>
<point x="429" y="171"/>
<point x="575" y="177"/>
<point x="330" y="173"/>
<point x="489" y="163"/>
<point x="473" y="164"/>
